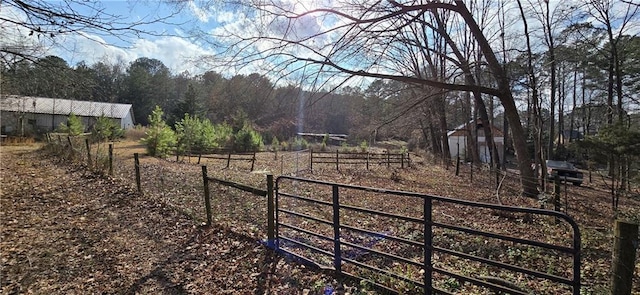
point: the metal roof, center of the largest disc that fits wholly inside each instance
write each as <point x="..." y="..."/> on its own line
<point x="56" y="106"/>
<point x="462" y="129"/>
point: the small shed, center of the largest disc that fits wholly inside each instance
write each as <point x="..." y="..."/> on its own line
<point x="459" y="143"/>
<point x="41" y="114"/>
<point x="334" y="139"/>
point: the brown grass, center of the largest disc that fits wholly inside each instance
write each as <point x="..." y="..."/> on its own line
<point x="178" y="185"/>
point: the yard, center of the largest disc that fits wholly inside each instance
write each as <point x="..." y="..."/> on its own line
<point x="69" y="230"/>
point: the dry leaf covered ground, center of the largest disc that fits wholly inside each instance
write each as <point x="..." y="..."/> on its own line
<point x="67" y="230"/>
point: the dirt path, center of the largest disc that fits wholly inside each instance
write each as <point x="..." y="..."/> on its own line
<point x="68" y="231"/>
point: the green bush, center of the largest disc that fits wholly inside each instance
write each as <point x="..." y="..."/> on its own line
<point x="223" y="135"/>
<point x="364" y="146"/>
<point x="195" y="134"/>
<point x="284" y="146"/>
<point x="299" y="144"/>
<point x="74" y="125"/>
<point x="160" y="138"/>
<point x="106" y="129"/>
<point x="247" y="139"/>
<point x="275" y="144"/>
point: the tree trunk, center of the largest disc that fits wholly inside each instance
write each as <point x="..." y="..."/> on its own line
<point x="573" y="105"/>
<point x="506" y="98"/>
<point x="442" y="127"/>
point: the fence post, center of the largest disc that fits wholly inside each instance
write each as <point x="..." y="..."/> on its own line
<point x="458" y="165"/>
<point x="338" y="160"/>
<point x="427" y="277"/>
<point x="402" y="160"/>
<point x="137" y="165"/>
<point x="228" y="159"/>
<point x="111" y="159"/>
<point x="556" y="192"/>
<point x="368" y="160"/>
<point x="311" y="160"/>
<point x="471" y="170"/>
<point x="337" y="259"/>
<point x="566" y="198"/>
<point x="556" y="196"/>
<point x="281" y="164"/>
<point x="271" y="225"/>
<point x="253" y="160"/>
<point x="207" y="199"/>
<point x="388" y="159"/>
<point x="86" y="143"/>
<point x="625" y="244"/>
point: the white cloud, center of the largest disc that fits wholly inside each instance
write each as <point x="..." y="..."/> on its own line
<point x="203" y="15"/>
<point x="17" y="38"/>
<point x="176" y="53"/>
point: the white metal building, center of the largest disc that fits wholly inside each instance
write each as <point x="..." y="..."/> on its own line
<point x="458" y="141"/>
<point x="40" y="114"/>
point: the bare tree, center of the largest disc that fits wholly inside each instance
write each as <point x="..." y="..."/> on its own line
<point x="616" y="21"/>
<point x="353" y="39"/>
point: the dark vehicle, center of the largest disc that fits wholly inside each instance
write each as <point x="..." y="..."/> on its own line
<point x="565" y="170"/>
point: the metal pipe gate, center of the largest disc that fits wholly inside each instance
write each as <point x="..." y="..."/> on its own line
<point x="318" y="222"/>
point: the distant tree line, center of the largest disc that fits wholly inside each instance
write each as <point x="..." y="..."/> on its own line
<point x="385" y="109"/>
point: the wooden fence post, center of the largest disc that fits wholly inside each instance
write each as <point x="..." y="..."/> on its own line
<point x="625" y="244"/>
<point x="253" y="160"/>
<point x="297" y="160"/>
<point x="556" y="192"/>
<point x="402" y="160"/>
<point x="228" y="160"/>
<point x="207" y="199"/>
<point x="311" y="160"/>
<point x="368" y="160"/>
<point x="111" y="159"/>
<point x="566" y="198"/>
<point x="338" y="160"/>
<point x="388" y="159"/>
<point x="137" y="165"/>
<point x="556" y="196"/>
<point x="458" y="165"/>
<point x="271" y="225"/>
<point x="86" y="144"/>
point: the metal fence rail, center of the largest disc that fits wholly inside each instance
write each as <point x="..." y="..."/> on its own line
<point x="318" y="228"/>
<point x="338" y="158"/>
<point x="228" y="157"/>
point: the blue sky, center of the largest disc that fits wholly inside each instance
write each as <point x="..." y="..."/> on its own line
<point x="167" y="42"/>
<point x="171" y="41"/>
